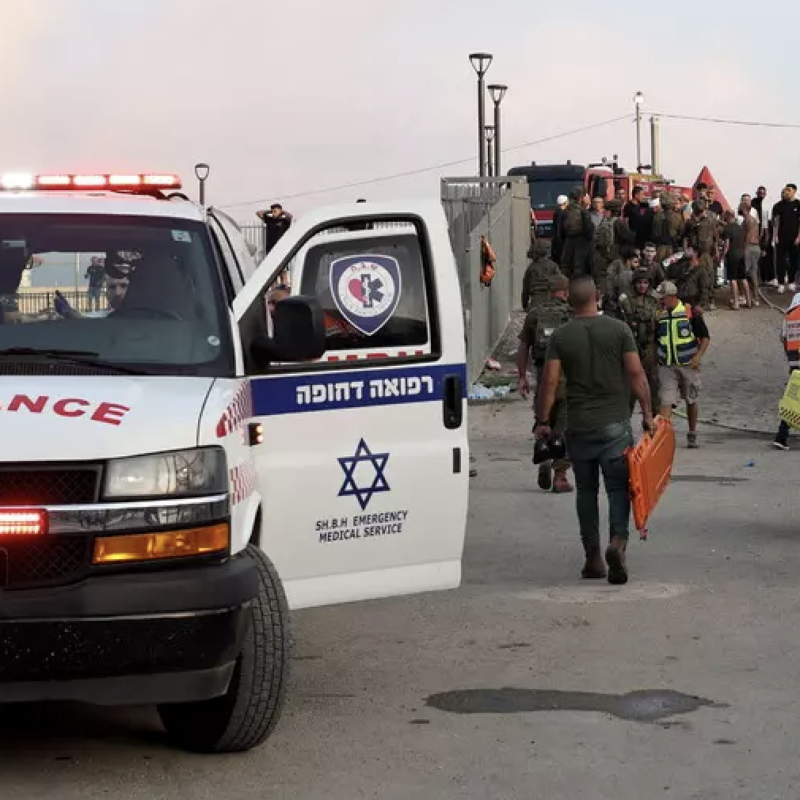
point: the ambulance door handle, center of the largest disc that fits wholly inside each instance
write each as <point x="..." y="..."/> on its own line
<point x="453" y="401"/>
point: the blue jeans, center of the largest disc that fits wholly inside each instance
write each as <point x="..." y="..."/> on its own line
<point x="593" y="452"/>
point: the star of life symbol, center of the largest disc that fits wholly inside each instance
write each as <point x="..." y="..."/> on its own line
<point x="366" y="290"/>
<point x="364" y="474"/>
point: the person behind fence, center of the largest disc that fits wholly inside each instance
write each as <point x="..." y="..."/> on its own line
<point x="640" y="312"/>
<point x="682" y="341"/>
<point x="790" y="336"/>
<point x="600" y="362"/>
<point x="537" y="330"/>
<point x="96" y="275"/>
<point x="535" y="282"/>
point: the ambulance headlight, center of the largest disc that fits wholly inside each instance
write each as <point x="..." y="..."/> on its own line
<point x="182" y="473"/>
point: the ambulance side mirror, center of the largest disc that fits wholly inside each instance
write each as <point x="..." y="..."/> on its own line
<point x="298" y="332"/>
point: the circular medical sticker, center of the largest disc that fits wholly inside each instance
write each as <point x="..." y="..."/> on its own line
<point x="366" y="290"/>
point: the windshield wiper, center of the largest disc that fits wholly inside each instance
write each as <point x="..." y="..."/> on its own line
<point x="84" y="358"/>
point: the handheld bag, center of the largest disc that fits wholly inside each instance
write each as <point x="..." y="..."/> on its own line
<point x="789" y="408"/>
<point x="650" y="466"/>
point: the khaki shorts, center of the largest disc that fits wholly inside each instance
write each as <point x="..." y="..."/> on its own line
<point x="678" y="383"/>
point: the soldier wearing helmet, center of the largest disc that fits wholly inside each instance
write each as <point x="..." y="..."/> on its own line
<point x="535" y="283"/>
<point x="640" y="310"/>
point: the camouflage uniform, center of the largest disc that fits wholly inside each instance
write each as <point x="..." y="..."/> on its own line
<point x="694" y="286"/>
<point x="578" y="230"/>
<point x="640" y="312"/>
<point x="701" y="233"/>
<point x="619" y="283"/>
<point x="537" y="329"/>
<point x="605" y="251"/>
<point x="536" y="282"/>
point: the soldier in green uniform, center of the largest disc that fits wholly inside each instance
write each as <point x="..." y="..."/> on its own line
<point x="578" y="233"/>
<point x="701" y="234"/>
<point x="536" y="282"/>
<point x="605" y="250"/>
<point x="536" y="332"/>
<point x="692" y="280"/>
<point x="640" y="310"/>
<point x="620" y="276"/>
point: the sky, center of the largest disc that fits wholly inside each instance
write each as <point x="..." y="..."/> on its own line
<point x="285" y="99"/>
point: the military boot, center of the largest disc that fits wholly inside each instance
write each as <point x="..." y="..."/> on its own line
<point x="594" y="569"/>
<point x="615" y="558"/>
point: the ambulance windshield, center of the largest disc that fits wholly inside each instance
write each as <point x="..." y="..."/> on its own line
<point x="133" y="291"/>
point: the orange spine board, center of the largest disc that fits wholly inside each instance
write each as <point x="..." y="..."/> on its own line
<point x="650" y="465"/>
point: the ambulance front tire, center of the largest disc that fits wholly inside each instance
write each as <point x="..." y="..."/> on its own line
<point x="247" y="714"/>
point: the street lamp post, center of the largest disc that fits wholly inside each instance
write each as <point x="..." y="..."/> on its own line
<point x="490" y="146"/>
<point x="497" y="91"/>
<point x="201" y="172"/>
<point x="481" y="63"/>
<point x="638" y="102"/>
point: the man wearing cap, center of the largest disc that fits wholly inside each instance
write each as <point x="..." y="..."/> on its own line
<point x="558" y="238"/>
<point x="276" y="223"/>
<point x="682" y="339"/>
<point x="534" y="338"/>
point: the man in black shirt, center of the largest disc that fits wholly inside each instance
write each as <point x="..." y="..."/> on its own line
<point x="786" y="237"/>
<point x="276" y="222"/>
<point x="767" y="263"/>
<point x="633" y="213"/>
<point x="714" y="205"/>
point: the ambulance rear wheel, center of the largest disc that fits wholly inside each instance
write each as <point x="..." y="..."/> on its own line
<point x="249" y="711"/>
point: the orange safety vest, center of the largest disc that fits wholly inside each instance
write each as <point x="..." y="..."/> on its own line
<point x="792" y="337"/>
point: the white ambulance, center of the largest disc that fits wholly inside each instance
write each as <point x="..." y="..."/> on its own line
<point x="178" y="464"/>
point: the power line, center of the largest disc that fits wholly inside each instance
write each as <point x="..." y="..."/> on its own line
<point x="721" y="121"/>
<point x="431" y="168"/>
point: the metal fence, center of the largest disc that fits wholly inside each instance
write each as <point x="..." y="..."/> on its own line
<point x="38" y="302"/>
<point x="499" y="209"/>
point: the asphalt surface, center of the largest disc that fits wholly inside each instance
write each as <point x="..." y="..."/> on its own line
<point x="526" y="682"/>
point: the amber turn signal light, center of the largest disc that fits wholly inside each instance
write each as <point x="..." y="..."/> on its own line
<point x="161" y="545"/>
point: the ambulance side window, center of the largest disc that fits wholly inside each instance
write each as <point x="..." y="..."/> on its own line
<point x="373" y="286"/>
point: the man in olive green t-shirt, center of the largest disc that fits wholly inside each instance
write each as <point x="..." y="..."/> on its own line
<point x="600" y="361"/>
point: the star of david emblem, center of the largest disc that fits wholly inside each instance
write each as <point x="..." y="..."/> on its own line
<point x="364" y="474"/>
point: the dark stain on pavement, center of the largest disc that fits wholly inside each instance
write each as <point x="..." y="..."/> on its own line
<point x="640" y="706"/>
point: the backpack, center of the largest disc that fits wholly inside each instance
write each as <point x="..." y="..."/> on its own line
<point x="605" y="239"/>
<point x="550" y="317"/>
<point x="573" y="222"/>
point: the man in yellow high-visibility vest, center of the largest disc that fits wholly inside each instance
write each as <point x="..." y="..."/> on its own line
<point x="682" y="339"/>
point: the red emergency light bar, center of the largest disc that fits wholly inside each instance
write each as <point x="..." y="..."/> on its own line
<point x="142" y="182"/>
<point x="22" y="523"/>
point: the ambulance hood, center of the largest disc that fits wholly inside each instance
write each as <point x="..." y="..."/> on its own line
<point x="80" y="418"/>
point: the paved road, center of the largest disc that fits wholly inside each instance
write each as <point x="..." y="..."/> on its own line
<point x="706" y="628"/>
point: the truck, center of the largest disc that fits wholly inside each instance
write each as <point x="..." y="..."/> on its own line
<point x="183" y="470"/>
<point x="603" y="179"/>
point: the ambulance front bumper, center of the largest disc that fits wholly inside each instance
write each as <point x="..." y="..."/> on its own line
<point x="126" y="639"/>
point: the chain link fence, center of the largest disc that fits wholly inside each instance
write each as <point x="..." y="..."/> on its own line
<point x="499" y="209"/>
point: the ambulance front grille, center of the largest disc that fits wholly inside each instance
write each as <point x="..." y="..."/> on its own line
<point x="29" y="563"/>
<point x="21" y="485"/>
